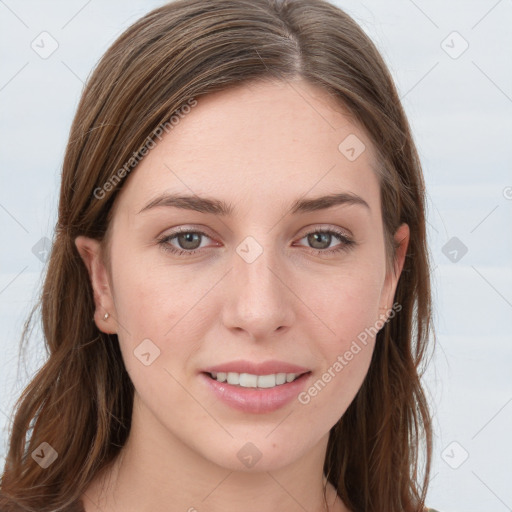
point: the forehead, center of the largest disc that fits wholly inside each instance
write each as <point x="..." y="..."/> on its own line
<point x="274" y="141"/>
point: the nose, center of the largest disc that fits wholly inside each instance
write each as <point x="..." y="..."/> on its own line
<point x="260" y="299"/>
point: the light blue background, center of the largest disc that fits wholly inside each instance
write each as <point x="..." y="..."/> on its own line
<point x="461" y="115"/>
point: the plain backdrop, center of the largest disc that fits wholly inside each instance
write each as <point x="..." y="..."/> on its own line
<point x="452" y="64"/>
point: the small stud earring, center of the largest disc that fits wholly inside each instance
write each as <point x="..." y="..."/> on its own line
<point x="106" y="316"/>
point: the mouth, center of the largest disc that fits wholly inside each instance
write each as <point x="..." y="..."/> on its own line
<point x="249" y="380"/>
<point x="253" y="393"/>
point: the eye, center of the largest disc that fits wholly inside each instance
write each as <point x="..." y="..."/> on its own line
<point x="187" y="240"/>
<point x="321" y="241"/>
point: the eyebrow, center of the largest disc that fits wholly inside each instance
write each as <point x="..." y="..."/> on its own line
<point x="219" y="207"/>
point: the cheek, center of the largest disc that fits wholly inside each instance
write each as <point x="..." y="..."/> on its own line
<point x="348" y="310"/>
<point x="346" y="305"/>
<point x="164" y="307"/>
<point x="332" y="391"/>
<point x="150" y="295"/>
<point x="345" y="362"/>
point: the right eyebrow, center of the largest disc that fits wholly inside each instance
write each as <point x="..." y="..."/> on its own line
<point x="196" y="203"/>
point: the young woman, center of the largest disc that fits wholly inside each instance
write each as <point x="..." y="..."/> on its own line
<point x="237" y="304"/>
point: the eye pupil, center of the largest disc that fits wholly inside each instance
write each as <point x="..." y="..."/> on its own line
<point x="313" y="238"/>
<point x="188" y="238"/>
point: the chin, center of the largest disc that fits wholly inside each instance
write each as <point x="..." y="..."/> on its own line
<point x="257" y="453"/>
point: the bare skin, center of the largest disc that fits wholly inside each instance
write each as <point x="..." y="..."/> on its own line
<point x="259" y="148"/>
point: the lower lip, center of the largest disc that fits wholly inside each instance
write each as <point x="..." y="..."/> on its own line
<point x="257" y="400"/>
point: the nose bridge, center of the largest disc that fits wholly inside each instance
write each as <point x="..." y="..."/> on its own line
<point x="254" y="264"/>
<point x="260" y="301"/>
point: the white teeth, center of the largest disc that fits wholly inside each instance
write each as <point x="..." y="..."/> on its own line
<point x="280" y="378"/>
<point x="267" y="381"/>
<point x="248" y="380"/>
<point x="233" y="378"/>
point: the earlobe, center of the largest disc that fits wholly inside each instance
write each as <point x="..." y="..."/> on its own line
<point x="90" y="251"/>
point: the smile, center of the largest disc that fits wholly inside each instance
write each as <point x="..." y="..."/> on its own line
<point x="248" y="380"/>
<point x="257" y="394"/>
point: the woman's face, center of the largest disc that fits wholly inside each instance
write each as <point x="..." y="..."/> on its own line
<point x="257" y="283"/>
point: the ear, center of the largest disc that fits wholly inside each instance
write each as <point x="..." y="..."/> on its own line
<point x="401" y="237"/>
<point x="91" y="253"/>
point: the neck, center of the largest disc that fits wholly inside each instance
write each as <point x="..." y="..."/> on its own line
<point x="155" y="471"/>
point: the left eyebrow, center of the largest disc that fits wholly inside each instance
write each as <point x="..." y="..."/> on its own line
<point x="324" y="202"/>
<point x="219" y="207"/>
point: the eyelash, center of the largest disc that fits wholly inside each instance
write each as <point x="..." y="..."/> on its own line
<point x="346" y="243"/>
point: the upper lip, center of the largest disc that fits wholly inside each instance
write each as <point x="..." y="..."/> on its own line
<point x="263" y="368"/>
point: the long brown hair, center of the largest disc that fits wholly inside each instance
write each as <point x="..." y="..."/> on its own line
<point x="80" y="401"/>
